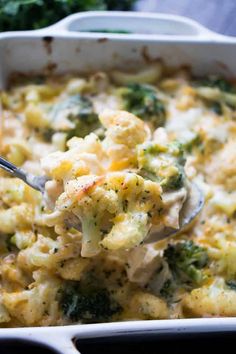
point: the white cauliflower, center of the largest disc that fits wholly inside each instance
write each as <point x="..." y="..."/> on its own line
<point x="147" y="306"/>
<point x="115" y="211"/>
<point x="37" y="305"/>
<point x="84" y="156"/>
<point x="210" y="300"/>
<point x="124" y="132"/>
<point x="48" y="253"/>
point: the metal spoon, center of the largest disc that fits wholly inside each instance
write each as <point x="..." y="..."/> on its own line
<point x="191" y="208"/>
<point x="36" y="182"/>
<point x="189" y="211"/>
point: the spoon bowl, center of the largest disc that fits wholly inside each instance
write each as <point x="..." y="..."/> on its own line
<point x="191" y="208"/>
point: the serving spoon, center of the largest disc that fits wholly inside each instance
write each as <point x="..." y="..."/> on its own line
<point x="191" y="207"/>
<point x="36" y="182"/>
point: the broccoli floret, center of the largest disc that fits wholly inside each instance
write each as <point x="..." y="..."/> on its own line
<point x="218" y="82"/>
<point x="87" y="305"/>
<point x="217" y="91"/>
<point x="231" y="284"/>
<point x="195" y="141"/>
<point x="10" y="246"/>
<point x="169" y="183"/>
<point x="176" y="149"/>
<point x="217" y="108"/>
<point x="79" y="110"/>
<point x="168" y="289"/>
<point x="173" y="182"/>
<point x="142" y="101"/>
<point x="162" y="164"/>
<point x="186" y="261"/>
<point x="47" y="134"/>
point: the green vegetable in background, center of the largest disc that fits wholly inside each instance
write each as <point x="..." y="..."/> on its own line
<point x="218" y="82"/>
<point x="33" y="14"/>
<point x="217" y="92"/>
<point x="231" y="284"/>
<point x="79" y="110"/>
<point x="142" y="100"/>
<point x="186" y="261"/>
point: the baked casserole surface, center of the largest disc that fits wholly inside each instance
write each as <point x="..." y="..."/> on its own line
<point x="119" y="149"/>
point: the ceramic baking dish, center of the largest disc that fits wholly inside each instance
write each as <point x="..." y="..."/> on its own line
<point x="70" y="45"/>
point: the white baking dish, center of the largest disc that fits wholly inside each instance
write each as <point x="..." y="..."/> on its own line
<point x="66" y="46"/>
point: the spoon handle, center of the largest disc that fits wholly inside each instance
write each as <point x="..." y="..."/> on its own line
<point x="12" y="169"/>
<point x="36" y="182"/>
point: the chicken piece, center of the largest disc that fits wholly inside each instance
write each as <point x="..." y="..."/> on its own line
<point x="142" y="263"/>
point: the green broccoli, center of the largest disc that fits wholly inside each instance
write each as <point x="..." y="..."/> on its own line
<point x="79" y="110"/>
<point x="168" y="289"/>
<point x="231" y="284"/>
<point x="162" y="164"/>
<point x="191" y="143"/>
<point x="168" y="184"/>
<point x="173" y="182"/>
<point x="216" y="107"/>
<point x="142" y="100"/>
<point x="87" y="305"/>
<point x="218" y="82"/>
<point x="221" y="84"/>
<point x="216" y="92"/>
<point x="186" y="261"/>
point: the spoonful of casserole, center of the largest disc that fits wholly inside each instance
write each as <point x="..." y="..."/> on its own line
<point x="122" y="191"/>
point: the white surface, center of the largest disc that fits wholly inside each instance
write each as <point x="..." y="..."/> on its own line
<point x="175" y="39"/>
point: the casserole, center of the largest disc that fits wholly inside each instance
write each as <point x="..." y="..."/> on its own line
<point x="60" y="47"/>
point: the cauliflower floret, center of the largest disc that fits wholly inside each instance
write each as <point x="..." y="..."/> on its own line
<point x="4" y="315"/>
<point x="15" y="218"/>
<point x="13" y="191"/>
<point x="210" y="300"/>
<point x="17" y="151"/>
<point x="223" y="201"/>
<point x="115" y="210"/>
<point x="73" y="269"/>
<point x="49" y="253"/>
<point x="133" y="224"/>
<point x="36" y="305"/>
<point x="23" y="239"/>
<point x="12" y="277"/>
<point x="223" y="253"/>
<point x="222" y="169"/>
<point x="148" y="306"/>
<point x="124" y="132"/>
<point x="83" y="157"/>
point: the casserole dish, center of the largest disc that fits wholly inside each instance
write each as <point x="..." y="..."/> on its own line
<point x="69" y="46"/>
